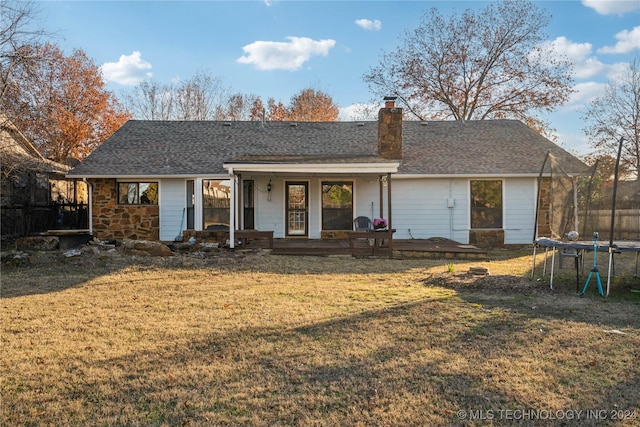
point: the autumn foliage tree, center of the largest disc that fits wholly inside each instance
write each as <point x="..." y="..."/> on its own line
<point x="308" y="105"/>
<point x="60" y="102"/>
<point x="489" y="64"/>
<point x="313" y="106"/>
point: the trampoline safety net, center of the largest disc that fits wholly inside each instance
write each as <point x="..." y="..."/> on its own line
<point x="584" y="203"/>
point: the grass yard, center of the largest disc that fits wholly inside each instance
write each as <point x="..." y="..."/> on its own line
<point x="261" y="340"/>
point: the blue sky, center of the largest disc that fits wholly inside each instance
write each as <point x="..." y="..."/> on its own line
<point x="277" y="48"/>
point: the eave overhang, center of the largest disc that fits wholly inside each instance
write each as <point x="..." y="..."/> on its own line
<point x="312" y="168"/>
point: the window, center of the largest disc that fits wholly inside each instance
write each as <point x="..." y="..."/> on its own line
<point x="486" y="204"/>
<point x="337" y="205"/>
<point x="216" y="195"/>
<point x="138" y="193"/>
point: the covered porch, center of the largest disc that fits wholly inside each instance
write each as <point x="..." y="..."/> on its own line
<point x="306" y="201"/>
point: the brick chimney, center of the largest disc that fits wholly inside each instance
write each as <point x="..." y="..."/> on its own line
<point x="390" y="130"/>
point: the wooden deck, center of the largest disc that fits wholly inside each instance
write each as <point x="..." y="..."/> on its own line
<point x="435" y="248"/>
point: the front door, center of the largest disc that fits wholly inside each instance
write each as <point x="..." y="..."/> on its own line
<point x="297" y="208"/>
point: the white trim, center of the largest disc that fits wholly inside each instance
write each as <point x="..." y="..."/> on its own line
<point x="147" y="177"/>
<point x="464" y="176"/>
<point x="311" y="168"/>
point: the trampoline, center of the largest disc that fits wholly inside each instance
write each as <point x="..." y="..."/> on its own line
<point x="592" y="202"/>
<point x="580" y="247"/>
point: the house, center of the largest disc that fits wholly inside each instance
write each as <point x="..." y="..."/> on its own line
<point x="35" y="194"/>
<point x="466" y="181"/>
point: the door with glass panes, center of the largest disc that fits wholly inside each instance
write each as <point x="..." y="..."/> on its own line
<point x="297" y="209"/>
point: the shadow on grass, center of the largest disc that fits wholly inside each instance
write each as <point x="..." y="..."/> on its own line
<point x="409" y="364"/>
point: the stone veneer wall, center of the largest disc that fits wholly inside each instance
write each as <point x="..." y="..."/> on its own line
<point x="487" y="239"/>
<point x="117" y="222"/>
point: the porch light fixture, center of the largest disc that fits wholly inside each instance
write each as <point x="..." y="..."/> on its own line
<point x="269" y="191"/>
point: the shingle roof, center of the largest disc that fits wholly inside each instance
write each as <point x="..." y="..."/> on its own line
<point x="163" y="148"/>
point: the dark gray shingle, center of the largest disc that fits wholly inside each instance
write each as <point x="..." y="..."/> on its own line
<point x="162" y="148"/>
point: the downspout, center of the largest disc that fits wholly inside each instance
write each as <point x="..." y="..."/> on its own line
<point x="90" y="202"/>
<point x="232" y="208"/>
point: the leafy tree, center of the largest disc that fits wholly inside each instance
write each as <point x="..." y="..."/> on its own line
<point x="615" y="115"/>
<point x="276" y="112"/>
<point x="60" y="103"/>
<point x="308" y="105"/>
<point x="489" y="64"/>
<point x="313" y="106"/>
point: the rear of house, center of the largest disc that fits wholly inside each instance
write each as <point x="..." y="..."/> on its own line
<point x="473" y="182"/>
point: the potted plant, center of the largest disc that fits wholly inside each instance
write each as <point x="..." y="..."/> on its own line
<point x="379" y="223"/>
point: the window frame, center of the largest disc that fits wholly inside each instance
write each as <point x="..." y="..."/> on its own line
<point x="216" y="212"/>
<point x="139" y="194"/>
<point x="473" y="219"/>
<point x="349" y="224"/>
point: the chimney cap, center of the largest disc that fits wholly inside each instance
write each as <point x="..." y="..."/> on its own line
<point x="390" y="98"/>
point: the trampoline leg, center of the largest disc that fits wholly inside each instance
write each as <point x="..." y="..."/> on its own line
<point x="533" y="264"/>
<point x="609" y="271"/>
<point x="553" y="261"/>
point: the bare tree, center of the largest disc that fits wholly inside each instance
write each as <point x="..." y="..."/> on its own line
<point x="477" y="65"/>
<point x="151" y="100"/>
<point x="615" y="115"/>
<point x="200" y="97"/>
<point x="17" y="30"/>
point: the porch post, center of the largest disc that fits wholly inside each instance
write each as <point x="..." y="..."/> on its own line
<point x="239" y="199"/>
<point x="90" y="205"/>
<point x="380" y="185"/>
<point x="232" y="210"/>
<point x="390" y="225"/>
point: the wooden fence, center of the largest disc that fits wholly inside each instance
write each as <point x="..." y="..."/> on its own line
<point x="626" y="224"/>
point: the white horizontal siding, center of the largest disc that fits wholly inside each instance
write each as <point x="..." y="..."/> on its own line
<point x="172" y="200"/>
<point x="420" y="209"/>
<point x="519" y="210"/>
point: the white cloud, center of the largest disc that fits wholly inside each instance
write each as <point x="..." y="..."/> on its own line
<point x="627" y="41"/>
<point x="359" y="112"/>
<point x="585" y="64"/>
<point x="579" y="54"/>
<point x="268" y="55"/>
<point x="368" y="24"/>
<point x="612" y="7"/>
<point x="576" y="52"/>
<point x="583" y="95"/>
<point x="129" y="70"/>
